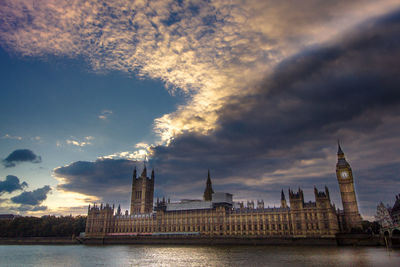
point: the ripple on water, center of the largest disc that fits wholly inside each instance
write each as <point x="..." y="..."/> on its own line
<point x="174" y="255"/>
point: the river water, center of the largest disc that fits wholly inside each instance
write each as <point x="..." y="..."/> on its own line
<point x="171" y="255"/>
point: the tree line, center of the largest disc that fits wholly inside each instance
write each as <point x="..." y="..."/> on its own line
<point x="46" y="226"/>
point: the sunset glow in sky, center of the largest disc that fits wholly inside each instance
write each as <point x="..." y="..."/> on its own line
<point x="258" y="92"/>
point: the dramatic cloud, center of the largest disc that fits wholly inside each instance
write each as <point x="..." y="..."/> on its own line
<point x="11" y="184"/>
<point x="107" y="179"/>
<point x="21" y="155"/>
<point x="211" y="50"/>
<point x="32" y="198"/>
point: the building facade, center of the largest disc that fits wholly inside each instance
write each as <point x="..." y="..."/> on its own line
<point x="389" y="218"/>
<point x="218" y="215"/>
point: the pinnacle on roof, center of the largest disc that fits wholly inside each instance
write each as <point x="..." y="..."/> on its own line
<point x="134" y="173"/>
<point x="208" y="177"/>
<point x="208" y="191"/>
<point x="144" y="172"/>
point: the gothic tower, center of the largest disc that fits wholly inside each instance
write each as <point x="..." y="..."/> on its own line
<point x="351" y="216"/>
<point x="142" y="192"/>
<point x="208" y="191"/>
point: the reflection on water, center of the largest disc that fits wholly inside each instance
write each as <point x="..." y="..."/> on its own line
<point x="139" y="255"/>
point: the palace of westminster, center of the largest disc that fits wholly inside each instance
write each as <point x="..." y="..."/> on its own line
<point x="218" y="215"/>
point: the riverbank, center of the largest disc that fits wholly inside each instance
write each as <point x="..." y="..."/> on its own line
<point x="340" y="240"/>
<point x="212" y="241"/>
<point x="39" y="241"/>
<point x="359" y="240"/>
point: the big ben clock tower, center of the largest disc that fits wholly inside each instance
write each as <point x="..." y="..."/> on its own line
<point x="351" y="216"/>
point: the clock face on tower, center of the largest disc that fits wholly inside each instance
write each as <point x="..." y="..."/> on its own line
<point x="344" y="174"/>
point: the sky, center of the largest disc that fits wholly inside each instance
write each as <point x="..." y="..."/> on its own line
<point x="258" y="92"/>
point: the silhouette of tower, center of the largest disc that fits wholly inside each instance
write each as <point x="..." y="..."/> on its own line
<point x="208" y="191"/>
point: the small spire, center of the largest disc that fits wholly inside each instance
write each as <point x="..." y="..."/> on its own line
<point x="207" y="196"/>
<point x="282" y="195"/>
<point x="209" y="178"/>
<point x="144" y="172"/>
<point x="327" y="191"/>
<point x="340" y="151"/>
<point x="152" y="174"/>
<point x="134" y="173"/>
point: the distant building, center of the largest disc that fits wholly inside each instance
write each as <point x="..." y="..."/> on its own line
<point x="7" y="217"/>
<point x="218" y="214"/>
<point x="389" y="218"/>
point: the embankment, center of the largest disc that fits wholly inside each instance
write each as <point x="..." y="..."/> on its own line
<point x="39" y="241"/>
<point x="340" y="240"/>
<point x="212" y="241"/>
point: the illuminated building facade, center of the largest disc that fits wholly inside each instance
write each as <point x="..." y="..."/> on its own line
<point x="218" y="215"/>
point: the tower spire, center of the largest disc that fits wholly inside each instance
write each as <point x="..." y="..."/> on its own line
<point x="144" y="172"/>
<point x="340" y="151"/>
<point x="134" y="173"/>
<point x="283" y="200"/>
<point x="208" y="191"/>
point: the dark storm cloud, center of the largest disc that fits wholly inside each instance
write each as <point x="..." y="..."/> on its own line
<point x="342" y="90"/>
<point x="32" y="198"/>
<point x="21" y="155"/>
<point x="107" y="179"/>
<point x="11" y="184"/>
